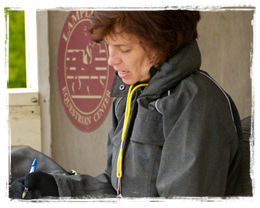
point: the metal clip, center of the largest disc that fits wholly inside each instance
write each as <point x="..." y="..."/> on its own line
<point x="119" y="187"/>
<point x="73" y="172"/>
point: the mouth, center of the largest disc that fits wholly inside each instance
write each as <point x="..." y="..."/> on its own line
<point x="122" y="74"/>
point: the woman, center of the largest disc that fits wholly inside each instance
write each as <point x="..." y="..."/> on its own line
<point x="175" y="131"/>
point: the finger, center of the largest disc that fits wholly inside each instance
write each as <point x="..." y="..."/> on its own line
<point x="32" y="178"/>
<point x="18" y="195"/>
<point x="18" y="185"/>
<point x="31" y="195"/>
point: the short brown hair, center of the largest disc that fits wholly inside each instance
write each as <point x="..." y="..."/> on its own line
<point x="164" y="31"/>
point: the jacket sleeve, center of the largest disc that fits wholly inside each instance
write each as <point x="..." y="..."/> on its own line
<point x="82" y="185"/>
<point x="200" y="144"/>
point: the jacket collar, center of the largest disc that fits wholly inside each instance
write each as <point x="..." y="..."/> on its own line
<point x="120" y="89"/>
<point x="180" y="66"/>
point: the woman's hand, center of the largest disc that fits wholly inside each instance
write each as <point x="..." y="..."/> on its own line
<point x="39" y="184"/>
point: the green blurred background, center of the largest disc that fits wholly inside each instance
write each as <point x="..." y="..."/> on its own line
<point x="16" y="55"/>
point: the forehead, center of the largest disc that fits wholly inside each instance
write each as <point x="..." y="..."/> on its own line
<point x="121" y="39"/>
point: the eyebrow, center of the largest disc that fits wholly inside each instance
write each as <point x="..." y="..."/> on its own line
<point x="121" y="44"/>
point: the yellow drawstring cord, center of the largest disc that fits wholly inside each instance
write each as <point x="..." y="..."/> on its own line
<point x="126" y="119"/>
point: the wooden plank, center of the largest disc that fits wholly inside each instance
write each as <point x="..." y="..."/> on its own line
<point x="25" y="125"/>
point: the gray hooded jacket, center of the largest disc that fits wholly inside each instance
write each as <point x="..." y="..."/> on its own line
<point x="183" y="137"/>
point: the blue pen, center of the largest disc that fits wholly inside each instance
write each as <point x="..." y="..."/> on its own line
<point x="33" y="168"/>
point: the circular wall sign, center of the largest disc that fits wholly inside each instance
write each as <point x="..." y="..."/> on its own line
<point x="84" y="76"/>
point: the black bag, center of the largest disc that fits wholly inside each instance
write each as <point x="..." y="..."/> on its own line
<point x="16" y="161"/>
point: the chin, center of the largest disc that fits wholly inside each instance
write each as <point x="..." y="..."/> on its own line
<point x="128" y="82"/>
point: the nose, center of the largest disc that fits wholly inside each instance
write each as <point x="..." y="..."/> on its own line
<point x="114" y="58"/>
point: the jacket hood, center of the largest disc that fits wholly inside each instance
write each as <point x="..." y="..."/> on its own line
<point x="181" y="65"/>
